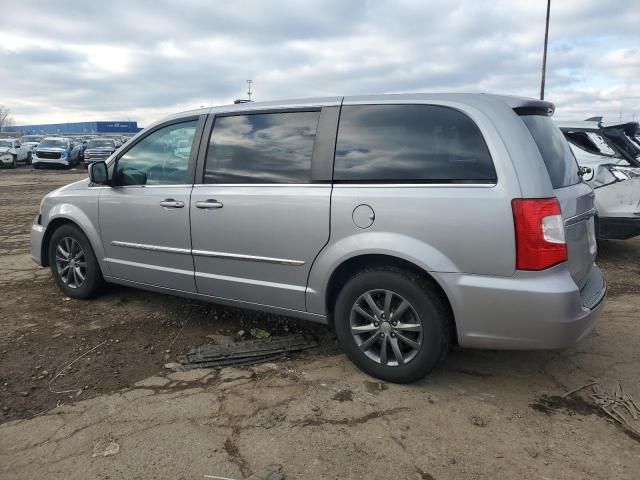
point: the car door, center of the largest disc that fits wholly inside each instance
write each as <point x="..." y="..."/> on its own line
<point x="144" y="215"/>
<point x="260" y="207"/>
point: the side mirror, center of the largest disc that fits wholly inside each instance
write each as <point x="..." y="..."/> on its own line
<point x="99" y="173"/>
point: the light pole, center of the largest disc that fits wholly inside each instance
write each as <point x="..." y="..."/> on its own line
<point x="544" y="55"/>
<point x="249" y="82"/>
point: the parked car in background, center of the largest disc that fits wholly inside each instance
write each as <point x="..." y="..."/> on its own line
<point x="31" y="141"/>
<point x="402" y="221"/>
<point x="18" y="152"/>
<point x="614" y="175"/>
<point x="54" y="151"/>
<point x="117" y="140"/>
<point x="99" y="149"/>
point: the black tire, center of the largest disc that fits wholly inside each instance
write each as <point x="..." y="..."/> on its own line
<point x="93" y="280"/>
<point x="426" y="304"/>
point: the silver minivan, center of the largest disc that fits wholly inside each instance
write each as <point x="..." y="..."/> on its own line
<point x="407" y="223"/>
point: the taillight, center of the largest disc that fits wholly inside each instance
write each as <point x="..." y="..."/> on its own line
<point x="540" y="237"/>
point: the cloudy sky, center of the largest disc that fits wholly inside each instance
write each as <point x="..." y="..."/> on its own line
<point x="116" y="60"/>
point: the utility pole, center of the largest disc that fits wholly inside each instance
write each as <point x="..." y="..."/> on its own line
<point x="544" y="55"/>
<point x="249" y="82"/>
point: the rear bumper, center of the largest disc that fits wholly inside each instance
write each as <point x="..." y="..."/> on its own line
<point x="529" y="311"/>
<point x="618" y="228"/>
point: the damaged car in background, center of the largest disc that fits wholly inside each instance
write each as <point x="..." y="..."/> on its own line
<point x="13" y="152"/>
<point x="610" y="159"/>
<point x="30" y="142"/>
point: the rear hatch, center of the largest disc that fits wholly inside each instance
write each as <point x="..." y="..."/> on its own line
<point x="618" y="135"/>
<point x="576" y="198"/>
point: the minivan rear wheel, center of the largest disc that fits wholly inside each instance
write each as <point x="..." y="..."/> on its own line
<point x="392" y="324"/>
<point x="73" y="263"/>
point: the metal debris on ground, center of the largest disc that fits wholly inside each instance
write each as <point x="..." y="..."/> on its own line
<point x="246" y="352"/>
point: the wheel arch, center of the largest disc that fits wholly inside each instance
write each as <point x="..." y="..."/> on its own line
<point x="349" y="267"/>
<point x="57" y="220"/>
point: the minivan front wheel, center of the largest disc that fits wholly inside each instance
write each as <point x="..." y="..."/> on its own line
<point x="392" y="324"/>
<point x="73" y="263"/>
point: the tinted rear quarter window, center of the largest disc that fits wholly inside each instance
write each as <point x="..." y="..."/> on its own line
<point x="410" y="143"/>
<point x="554" y="149"/>
<point x="262" y="148"/>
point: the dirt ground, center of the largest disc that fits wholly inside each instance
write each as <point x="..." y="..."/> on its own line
<point x="483" y="414"/>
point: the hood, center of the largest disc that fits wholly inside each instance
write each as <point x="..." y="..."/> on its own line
<point x="52" y="149"/>
<point x="79" y="185"/>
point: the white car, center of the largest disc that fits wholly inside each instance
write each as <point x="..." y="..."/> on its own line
<point x="17" y="152"/>
<point x="614" y="175"/>
<point x="31" y="142"/>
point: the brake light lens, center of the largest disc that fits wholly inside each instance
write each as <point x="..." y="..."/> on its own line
<point x="540" y="235"/>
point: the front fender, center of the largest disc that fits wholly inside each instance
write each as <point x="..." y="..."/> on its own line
<point x="79" y="217"/>
<point x="395" y="245"/>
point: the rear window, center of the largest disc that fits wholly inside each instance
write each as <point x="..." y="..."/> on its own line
<point x="592" y="144"/>
<point x="410" y="143"/>
<point x="555" y="151"/>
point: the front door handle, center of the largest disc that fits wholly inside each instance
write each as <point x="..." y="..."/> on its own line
<point x="211" y="203"/>
<point x="171" y="203"/>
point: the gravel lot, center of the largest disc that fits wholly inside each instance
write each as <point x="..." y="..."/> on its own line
<point x="483" y="414"/>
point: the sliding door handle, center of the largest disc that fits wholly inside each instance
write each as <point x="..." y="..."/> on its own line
<point x="211" y="203"/>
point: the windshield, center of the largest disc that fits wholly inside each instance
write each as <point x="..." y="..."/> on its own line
<point x="558" y="157"/>
<point x="52" y="143"/>
<point x="6" y="143"/>
<point x="101" y="144"/>
<point x="30" y="138"/>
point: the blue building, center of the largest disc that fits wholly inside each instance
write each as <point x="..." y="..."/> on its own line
<point x="77" y="128"/>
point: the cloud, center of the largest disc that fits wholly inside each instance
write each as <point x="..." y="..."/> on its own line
<point x="76" y="60"/>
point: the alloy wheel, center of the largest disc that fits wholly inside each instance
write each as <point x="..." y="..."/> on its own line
<point x="386" y="327"/>
<point x="71" y="262"/>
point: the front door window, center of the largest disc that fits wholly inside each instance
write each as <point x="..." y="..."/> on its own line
<point x="161" y="158"/>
